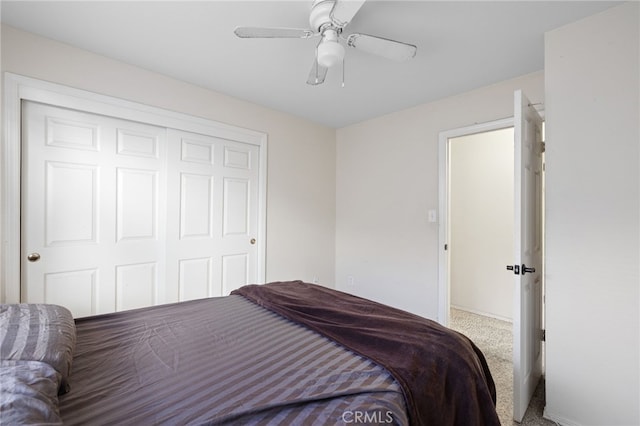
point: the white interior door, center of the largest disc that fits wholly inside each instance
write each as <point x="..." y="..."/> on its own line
<point x="213" y="221"/>
<point x="527" y="319"/>
<point x="92" y="234"/>
<point x="119" y="215"/>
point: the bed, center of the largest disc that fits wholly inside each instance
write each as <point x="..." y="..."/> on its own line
<point x="278" y="353"/>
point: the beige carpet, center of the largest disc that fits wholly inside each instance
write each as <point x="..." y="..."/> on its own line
<point x="495" y="339"/>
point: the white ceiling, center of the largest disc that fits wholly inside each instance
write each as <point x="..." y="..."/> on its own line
<point x="462" y="45"/>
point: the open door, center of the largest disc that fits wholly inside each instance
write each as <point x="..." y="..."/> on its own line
<point x="527" y="268"/>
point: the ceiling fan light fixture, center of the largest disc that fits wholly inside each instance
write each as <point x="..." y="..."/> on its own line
<point x="330" y="53"/>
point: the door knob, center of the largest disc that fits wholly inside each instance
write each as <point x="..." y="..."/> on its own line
<point x="33" y="257"/>
<point x="526" y="269"/>
<point x="253" y="241"/>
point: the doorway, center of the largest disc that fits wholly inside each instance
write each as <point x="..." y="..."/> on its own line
<point x="481" y="243"/>
<point x="480" y="235"/>
<point x="481" y="217"/>
<point x="445" y="175"/>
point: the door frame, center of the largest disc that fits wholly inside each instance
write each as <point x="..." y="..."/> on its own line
<point x="444" y="285"/>
<point x="18" y="88"/>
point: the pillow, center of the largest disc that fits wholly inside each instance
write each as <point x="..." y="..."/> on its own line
<point x="28" y="394"/>
<point x="38" y="332"/>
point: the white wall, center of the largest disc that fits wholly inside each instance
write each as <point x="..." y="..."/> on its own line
<point x="481" y="221"/>
<point x="387" y="180"/>
<point x="593" y="219"/>
<point x="301" y="154"/>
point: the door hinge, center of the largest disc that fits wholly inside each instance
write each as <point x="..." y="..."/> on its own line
<point x="543" y="335"/>
<point x="543" y="146"/>
<point x="446" y="247"/>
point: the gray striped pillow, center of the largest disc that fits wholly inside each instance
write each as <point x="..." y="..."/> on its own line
<point x="38" y="332"/>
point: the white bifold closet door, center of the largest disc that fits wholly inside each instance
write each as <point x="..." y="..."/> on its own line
<point x="119" y="215"/>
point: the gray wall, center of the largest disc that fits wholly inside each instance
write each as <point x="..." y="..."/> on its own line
<point x="386" y="183"/>
<point x="593" y="221"/>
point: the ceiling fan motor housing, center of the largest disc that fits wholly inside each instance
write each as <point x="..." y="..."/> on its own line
<point x="330" y="51"/>
<point x="321" y="14"/>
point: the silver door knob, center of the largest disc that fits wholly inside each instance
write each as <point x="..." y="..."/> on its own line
<point x="253" y="241"/>
<point x="33" y="257"/>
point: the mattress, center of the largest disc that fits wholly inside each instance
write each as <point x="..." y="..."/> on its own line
<point x="220" y="361"/>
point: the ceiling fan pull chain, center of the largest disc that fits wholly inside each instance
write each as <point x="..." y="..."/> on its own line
<point x="316" y="64"/>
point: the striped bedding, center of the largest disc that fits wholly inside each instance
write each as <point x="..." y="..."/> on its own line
<point x="220" y="361"/>
<point x="36" y="349"/>
<point x="38" y="332"/>
<point x="444" y="376"/>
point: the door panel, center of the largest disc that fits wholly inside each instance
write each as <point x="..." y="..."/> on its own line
<point x="196" y="151"/>
<point x="136" y="285"/>
<point x="235" y="271"/>
<point x="195" y="278"/>
<point x="73" y="289"/>
<point x="196" y="206"/>
<point x="71" y="201"/>
<point x="235" y="157"/>
<point x="82" y="135"/>
<point x="136" y="204"/>
<point x="137" y="144"/>
<point x="527" y="356"/>
<point x="236" y="207"/>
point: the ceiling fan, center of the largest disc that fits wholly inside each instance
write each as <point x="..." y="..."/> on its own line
<point x="328" y="19"/>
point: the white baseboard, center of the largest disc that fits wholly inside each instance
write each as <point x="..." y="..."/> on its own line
<point x="559" y="420"/>
<point x="484" y="314"/>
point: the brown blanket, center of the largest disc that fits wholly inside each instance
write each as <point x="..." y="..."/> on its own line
<point x="444" y="376"/>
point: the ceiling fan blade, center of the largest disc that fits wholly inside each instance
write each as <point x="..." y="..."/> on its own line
<point x="260" y="32"/>
<point x="390" y="49"/>
<point x="344" y="10"/>
<point x="317" y="73"/>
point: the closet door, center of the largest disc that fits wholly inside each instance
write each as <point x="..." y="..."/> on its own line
<point x="93" y="234"/>
<point x="118" y="214"/>
<point x="213" y="215"/>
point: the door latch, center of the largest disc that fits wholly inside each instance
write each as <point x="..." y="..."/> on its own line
<point x="514" y="268"/>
